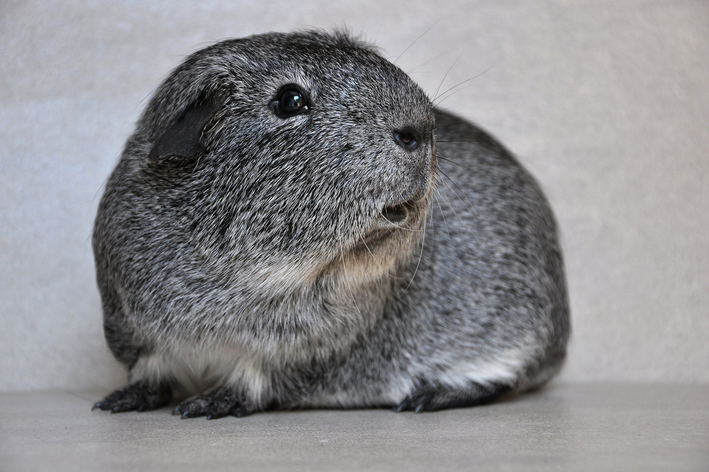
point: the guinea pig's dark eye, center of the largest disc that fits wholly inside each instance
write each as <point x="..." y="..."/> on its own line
<point x="290" y="101"/>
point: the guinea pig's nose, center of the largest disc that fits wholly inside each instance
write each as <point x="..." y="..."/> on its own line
<point x="408" y="139"/>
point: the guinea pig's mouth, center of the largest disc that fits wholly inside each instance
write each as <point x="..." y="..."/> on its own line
<point x="391" y="218"/>
<point x="399" y="213"/>
<point x="396" y="214"/>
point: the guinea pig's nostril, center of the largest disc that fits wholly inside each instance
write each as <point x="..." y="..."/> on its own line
<point x="407" y="139"/>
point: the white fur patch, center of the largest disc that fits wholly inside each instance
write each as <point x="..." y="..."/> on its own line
<point x="198" y="368"/>
<point x="504" y="368"/>
<point x="401" y="390"/>
<point x="358" y="271"/>
<point x="286" y="275"/>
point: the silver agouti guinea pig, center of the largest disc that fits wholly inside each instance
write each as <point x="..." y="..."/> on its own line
<point x="293" y="224"/>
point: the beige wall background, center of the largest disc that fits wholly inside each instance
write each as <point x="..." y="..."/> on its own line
<point x="606" y="102"/>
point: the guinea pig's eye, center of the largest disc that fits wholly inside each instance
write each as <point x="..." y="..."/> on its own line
<point x="290" y="101"/>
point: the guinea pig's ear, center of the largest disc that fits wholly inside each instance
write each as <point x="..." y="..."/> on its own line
<point x="182" y="138"/>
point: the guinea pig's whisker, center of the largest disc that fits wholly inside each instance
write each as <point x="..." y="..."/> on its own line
<point x="436" y="195"/>
<point x="442" y="98"/>
<point x="414" y="41"/>
<point x="365" y="245"/>
<point x="418" y="263"/>
<point x="403" y="228"/>
<point x="443" y="158"/>
<point x="435" y="94"/>
<point x="452" y="206"/>
<point x="454" y="89"/>
<point x="413" y="69"/>
<point x="457" y="194"/>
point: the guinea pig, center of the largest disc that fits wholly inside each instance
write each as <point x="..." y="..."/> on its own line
<point x="293" y="224"/>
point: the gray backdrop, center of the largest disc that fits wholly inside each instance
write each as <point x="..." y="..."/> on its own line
<point x="606" y="102"/>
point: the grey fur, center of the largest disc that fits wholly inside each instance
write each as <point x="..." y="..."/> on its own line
<point x="246" y="257"/>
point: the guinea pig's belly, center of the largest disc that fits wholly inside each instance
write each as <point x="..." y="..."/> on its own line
<point x="194" y="369"/>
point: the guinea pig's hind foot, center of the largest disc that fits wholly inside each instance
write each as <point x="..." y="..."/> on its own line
<point x="218" y="403"/>
<point x="430" y="398"/>
<point x="140" y="396"/>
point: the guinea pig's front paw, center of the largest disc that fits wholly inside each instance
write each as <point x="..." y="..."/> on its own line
<point x="429" y="398"/>
<point x="220" y="402"/>
<point x="139" y="396"/>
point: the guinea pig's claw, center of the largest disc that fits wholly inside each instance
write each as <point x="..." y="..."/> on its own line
<point x="411" y="404"/>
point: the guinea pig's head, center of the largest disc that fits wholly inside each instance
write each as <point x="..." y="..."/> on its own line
<point x="304" y="150"/>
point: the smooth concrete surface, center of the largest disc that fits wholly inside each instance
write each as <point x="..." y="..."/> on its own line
<point x="605" y="101"/>
<point x="563" y="428"/>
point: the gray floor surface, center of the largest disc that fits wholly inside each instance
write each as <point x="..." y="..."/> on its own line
<point x="564" y="427"/>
